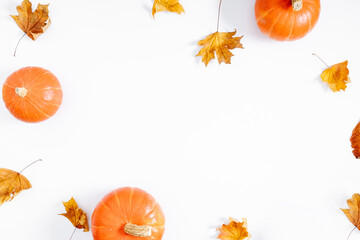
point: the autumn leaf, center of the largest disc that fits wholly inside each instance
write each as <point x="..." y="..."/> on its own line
<point x="11" y="184"/>
<point x="167" y="5"/>
<point x="220" y="43"/>
<point x="75" y="215"/>
<point x="32" y="23"/>
<point x="355" y="140"/>
<point x="336" y="76"/>
<point x="235" y="230"/>
<point x="353" y="213"/>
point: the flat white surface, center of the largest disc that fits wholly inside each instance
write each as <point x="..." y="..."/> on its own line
<point x="262" y="138"/>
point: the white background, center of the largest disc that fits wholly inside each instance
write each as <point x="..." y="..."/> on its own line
<point x="262" y="138"/>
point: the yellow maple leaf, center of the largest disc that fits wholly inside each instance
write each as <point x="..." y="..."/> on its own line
<point x="76" y="215"/>
<point x="336" y="76"/>
<point x="353" y="213"/>
<point x="32" y="23"/>
<point x="167" y="5"/>
<point x="235" y="230"/>
<point x="220" y="43"/>
<point x="11" y="184"/>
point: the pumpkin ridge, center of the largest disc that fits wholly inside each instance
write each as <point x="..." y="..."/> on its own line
<point x="152" y="210"/>
<point x="309" y="17"/>
<point x="264" y="15"/>
<point x="130" y="201"/>
<point x="273" y="25"/>
<point x="292" y="30"/>
<point x="28" y="85"/>
<point x="8" y="85"/>
<point x="46" y="115"/>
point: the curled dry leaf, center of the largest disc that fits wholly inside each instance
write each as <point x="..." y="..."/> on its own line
<point x="235" y="230"/>
<point x="76" y="215"/>
<point x="32" y="23"/>
<point x="337" y="76"/>
<point x="167" y="5"/>
<point x="220" y="43"/>
<point x="11" y="184"/>
<point x="355" y="141"/>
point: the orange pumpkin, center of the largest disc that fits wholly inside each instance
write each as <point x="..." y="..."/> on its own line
<point x="128" y="214"/>
<point x="32" y="94"/>
<point x="286" y="20"/>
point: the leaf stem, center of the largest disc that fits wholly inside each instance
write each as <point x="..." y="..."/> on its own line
<point x="320" y="59"/>
<point x="351" y="233"/>
<point x="218" y="20"/>
<point x="73" y="233"/>
<point x="18" y="43"/>
<point x="39" y="160"/>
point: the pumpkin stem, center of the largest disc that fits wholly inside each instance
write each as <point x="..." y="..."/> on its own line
<point x="297" y="5"/>
<point x="21" y="91"/>
<point x="137" y="230"/>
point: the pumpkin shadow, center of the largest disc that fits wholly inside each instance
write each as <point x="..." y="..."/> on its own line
<point x="241" y="16"/>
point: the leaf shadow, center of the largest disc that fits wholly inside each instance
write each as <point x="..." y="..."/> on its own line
<point x="148" y="10"/>
<point x="322" y="84"/>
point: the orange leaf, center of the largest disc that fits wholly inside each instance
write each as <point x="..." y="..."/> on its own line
<point x="353" y="213"/>
<point x="11" y="184"/>
<point x="75" y="215"/>
<point x="32" y="23"/>
<point x="221" y="43"/>
<point x="355" y="141"/>
<point x="235" y="230"/>
<point x="167" y="5"/>
<point x="337" y="76"/>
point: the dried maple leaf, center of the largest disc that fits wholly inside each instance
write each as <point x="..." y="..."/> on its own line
<point x="11" y="184"/>
<point x="235" y="230"/>
<point x="221" y="43"/>
<point x="32" y="23"/>
<point x="355" y="141"/>
<point x="353" y="213"/>
<point x="167" y="5"/>
<point x="75" y="215"/>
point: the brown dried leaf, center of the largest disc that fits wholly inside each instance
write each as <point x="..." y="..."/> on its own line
<point x="355" y="141"/>
<point x="11" y="184"/>
<point x="336" y="76"/>
<point x="235" y="230"/>
<point x="221" y="43"/>
<point x="75" y="215"/>
<point x="353" y="213"/>
<point x="32" y="23"/>
<point x="167" y="5"/>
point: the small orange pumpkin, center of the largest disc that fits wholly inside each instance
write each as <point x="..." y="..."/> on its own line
<point x="128" y="214"/>
<point x="286" y="20"/>
<point x="32" y="94"/>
